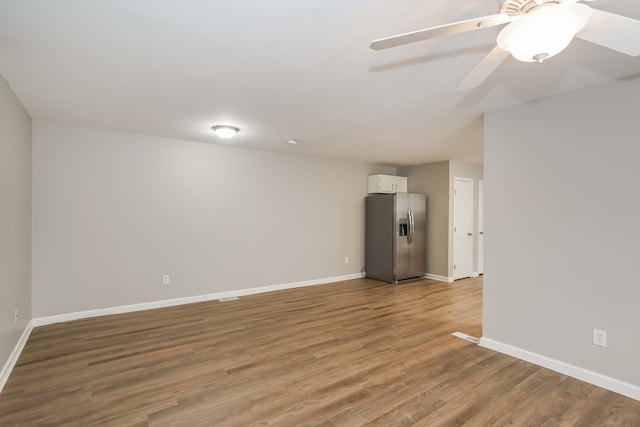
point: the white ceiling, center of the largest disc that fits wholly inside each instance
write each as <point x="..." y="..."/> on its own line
<point x="280" y="69"/>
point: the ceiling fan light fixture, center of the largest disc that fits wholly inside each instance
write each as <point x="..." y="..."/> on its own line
<point x="543" y="32"/>
<point x="225" y="131"/>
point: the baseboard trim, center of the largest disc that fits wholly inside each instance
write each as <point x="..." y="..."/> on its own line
<point x="611" y="384"/>
<point x="439" y="278"/>
<point x="67" y="317"/>
<point x="15" y="354"/>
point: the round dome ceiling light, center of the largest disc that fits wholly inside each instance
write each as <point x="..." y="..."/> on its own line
<point x="225" y="131"/>
<point x="544" y="31"/>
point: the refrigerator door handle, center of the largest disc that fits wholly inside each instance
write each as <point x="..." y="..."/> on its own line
<point x="411" y="227"/>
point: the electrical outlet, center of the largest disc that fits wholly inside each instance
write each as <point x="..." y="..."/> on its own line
<point x="600" y="337"/>
<point x="166" y="280"/>
<point x="346" y="260"/>
<point x="16" y="316"/>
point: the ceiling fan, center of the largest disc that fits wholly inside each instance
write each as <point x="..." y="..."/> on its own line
<point x="535" y="30"/>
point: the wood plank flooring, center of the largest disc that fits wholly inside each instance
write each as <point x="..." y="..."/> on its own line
<point x="353" y="353"/>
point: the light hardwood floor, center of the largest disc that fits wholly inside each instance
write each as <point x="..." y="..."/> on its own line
<point x="359" y="352"/>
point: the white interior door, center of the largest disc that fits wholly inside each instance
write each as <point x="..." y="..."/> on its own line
<point x="462" y="227"/>
<point x="481" y="227"/>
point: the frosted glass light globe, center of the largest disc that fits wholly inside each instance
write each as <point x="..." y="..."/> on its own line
<point x="544" y="32"/>
<point x="225" y="132"/>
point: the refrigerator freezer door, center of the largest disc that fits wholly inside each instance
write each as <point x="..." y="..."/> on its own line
<point x="402" y="251"/>
<point x="418" y="253"/>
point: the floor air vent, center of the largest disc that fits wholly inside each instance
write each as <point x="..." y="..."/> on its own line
<point x="466" y="337"/>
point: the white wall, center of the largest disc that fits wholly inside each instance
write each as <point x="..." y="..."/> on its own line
<point x="15" y="219"/>
<point x="115" y="211"/>
<point x="563" y="241"/>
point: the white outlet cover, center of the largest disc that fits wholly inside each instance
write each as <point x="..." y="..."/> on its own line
<point x="600" y="337"/>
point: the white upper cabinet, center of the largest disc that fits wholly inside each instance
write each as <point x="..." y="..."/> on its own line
<point x="387" y="184"/>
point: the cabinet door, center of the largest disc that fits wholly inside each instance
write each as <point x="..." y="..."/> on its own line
<point x="400" y="184"/>
<point x="386" y="184"/>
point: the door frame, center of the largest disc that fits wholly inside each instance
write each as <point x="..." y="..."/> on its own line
<point x="480" y="235"/>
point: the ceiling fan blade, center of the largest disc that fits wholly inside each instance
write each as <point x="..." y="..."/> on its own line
<point x="616" y="32"/>
<point x="483" y="70"/>
<point x="442" y="30"/>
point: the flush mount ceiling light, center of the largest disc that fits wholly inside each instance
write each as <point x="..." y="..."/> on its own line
<point x="292" y="141"/>
<point x="225" y="131"/>
<point x="543" y="32"/>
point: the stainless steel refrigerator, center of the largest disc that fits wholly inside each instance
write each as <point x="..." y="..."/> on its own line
<point x="396" y="238"/>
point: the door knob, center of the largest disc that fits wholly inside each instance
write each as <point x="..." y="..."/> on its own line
<point x="469" y="234"/>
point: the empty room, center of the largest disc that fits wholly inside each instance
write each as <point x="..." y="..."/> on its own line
<point x="319" y="213"/>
